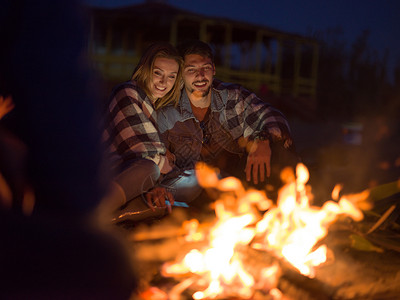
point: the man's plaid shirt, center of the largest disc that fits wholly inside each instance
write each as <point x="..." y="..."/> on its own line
<point x="243" y="113"/>
<point x="131" y="129"/>
<point x="240" y="114"/>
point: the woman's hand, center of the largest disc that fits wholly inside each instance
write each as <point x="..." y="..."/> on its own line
<point x="159" y="197"/>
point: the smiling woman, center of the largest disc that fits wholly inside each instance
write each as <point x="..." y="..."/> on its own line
<point x="159" y="66"/>
<point x="163" y="77"/>
<point x="139" y="157"/>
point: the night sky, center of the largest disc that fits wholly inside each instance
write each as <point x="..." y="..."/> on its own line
<point x="381" y="18"/>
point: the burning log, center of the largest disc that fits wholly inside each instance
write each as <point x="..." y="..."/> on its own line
<point x="292" y="284"/>
<point x="256" y="250"/>
<point x="353" y="274"/>
<point x="268" y="271"/>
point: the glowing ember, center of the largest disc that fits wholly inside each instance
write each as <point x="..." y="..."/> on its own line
<point x="289" y="230"/>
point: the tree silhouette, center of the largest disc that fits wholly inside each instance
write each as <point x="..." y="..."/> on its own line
<point x="353" y="79"/>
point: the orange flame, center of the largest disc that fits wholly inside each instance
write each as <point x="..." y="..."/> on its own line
<point x="289" y="230"/>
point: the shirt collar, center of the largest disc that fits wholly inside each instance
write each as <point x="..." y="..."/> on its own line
<point x="186" y="110"/>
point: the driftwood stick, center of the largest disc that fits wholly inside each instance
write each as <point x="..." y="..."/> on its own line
<point x="297" y="286"/>
<point x="292" y="283"/>
<point x="164" y="232"/>
<point x="150" y="235"/>
<point x="382" y="219"/>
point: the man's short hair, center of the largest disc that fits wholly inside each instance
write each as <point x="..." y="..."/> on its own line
<point x="195" y="47"/>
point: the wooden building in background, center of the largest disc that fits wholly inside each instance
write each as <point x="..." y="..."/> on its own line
<point x="274" y="64"/>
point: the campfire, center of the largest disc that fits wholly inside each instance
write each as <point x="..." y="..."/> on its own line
<point x="254" y="242"/>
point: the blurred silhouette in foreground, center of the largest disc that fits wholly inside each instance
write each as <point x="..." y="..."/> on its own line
<point x="51" y="162"/>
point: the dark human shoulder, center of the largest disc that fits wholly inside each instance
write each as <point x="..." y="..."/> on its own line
<point x="139" y="94"/>
<point x="231" y="91"/>
<point x="130" y="84"/>
<point x="220" y="85"/>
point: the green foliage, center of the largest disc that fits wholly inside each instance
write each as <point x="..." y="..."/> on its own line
<point x="360" y="243"/>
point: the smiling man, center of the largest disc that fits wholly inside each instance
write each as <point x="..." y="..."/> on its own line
<point x="199" y="71"/>
<point x="223" y="124"/>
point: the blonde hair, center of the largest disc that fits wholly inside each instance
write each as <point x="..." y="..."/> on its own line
<point x="143" y="72"/>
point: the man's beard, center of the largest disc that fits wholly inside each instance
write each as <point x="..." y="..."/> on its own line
<point x="200" y="94"/>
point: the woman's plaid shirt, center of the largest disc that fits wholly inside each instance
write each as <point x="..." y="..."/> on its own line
<point x="131" y="129"/>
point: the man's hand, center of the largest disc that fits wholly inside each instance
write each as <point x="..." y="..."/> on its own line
<point x="159" y="197"/>
<point x="258" y="161"/>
